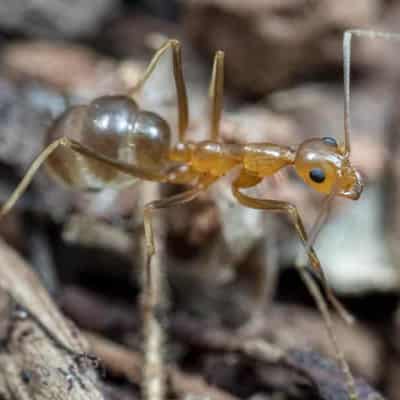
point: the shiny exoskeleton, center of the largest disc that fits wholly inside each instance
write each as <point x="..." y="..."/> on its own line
<point x="112" y="141"/>
<point x="115" y="127"/>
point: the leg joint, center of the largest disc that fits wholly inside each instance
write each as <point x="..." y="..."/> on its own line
<point x="65" y="142"/>
<point x="291" y="210"/>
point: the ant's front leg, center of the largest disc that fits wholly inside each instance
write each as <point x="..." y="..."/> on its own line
<point x="291" y="211"/>
<point x="244" y="181"/>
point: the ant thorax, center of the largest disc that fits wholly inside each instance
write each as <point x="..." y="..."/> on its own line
<point x="115" y="127"/>
<point x="216" y="158"/>
<point x="265" y="159"/>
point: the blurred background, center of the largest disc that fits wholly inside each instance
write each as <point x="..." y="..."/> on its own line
<point x="283" y="84"/>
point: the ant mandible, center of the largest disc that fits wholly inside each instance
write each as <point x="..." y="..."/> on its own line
<point x="111" y="140"/>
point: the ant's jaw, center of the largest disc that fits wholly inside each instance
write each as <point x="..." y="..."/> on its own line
<point x="354" y="192"/>
<point x="343" y="151"/>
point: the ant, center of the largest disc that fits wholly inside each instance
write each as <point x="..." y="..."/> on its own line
<point x="112" y="141"/>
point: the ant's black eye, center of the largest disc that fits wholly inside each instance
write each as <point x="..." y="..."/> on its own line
<point x="330" y="141"/>
<point x="317" y="175"/>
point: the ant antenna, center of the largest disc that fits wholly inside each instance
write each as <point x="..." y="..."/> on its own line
<point x="321" y="217"/>
<point x="320" y="220"/>
<point x="346" y="70"/>
<point x="346" y="80"/>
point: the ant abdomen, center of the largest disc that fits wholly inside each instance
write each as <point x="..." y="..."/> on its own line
<point x="115" y="127"/>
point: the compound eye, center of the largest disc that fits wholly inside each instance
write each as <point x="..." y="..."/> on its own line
<point x="317" y="175"/>
<point x="330" y="141"/>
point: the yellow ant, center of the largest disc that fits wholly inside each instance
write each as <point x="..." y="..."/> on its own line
<point x="112" y="140"/>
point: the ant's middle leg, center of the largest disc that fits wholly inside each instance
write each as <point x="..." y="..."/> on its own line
<point x="216" y="93"/>
<point x="172" y="201"/>
<point x="153" y="376"/>
<point x="75" y="146"/>
<point x="183" y="108"/>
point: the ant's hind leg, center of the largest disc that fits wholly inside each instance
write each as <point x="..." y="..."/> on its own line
<point x="216" y="92"/>
<point x="347" y="36"/>
<point x="183" y="108"/>
<point x="75" y="146"/>
<point x="27" y="179"/>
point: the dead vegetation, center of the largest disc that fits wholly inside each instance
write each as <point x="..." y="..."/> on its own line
<point x="235" y="320"/>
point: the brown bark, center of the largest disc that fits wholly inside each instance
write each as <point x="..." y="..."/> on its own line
<point x="42" y="355"/>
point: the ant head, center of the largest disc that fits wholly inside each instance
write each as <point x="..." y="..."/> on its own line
<point x="325" y="166"/>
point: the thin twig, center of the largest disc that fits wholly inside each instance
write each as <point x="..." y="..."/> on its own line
<point x="43" y="356"/>
<point x="154" y="300"/>
<point x="123" y="361"/>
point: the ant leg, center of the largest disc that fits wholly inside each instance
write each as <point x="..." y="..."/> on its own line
<point x="130" y="169"/>
<point x="347" y="36"/>
<point x="75" y="146"/>
<point x="172" y="201"/>
<point x="291" y="211"/>
<point x="27" y="179"/>
<point x="294" y="216"/>
<point x="153" y="300"/>
<point x="216" y="92"/>
<point x="183" y="109"/>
